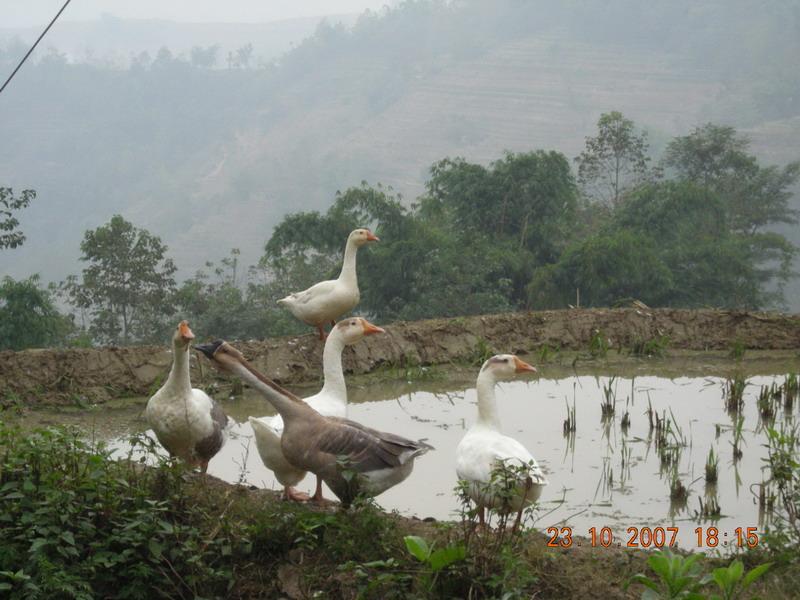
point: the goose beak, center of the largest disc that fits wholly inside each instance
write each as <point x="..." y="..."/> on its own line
<point x="185" y="332"/>
<point x="369" y="328"/>
<point x="523" y="367"/>
<point x="218" y="355"/>
<point x="208" y="349"/>
<point x="371" y="237"/>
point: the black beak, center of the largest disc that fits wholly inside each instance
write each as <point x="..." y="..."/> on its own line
<point x="209" y="349"/>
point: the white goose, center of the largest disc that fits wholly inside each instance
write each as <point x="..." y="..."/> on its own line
<point x="186" y="421"/>
<point x="484" y="447"/>
<point x="326" y="301"/>
<point x="330" y="401"/>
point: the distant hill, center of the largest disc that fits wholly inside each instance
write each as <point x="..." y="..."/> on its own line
<point x="113" y="40"/>
<point x="211" y="159"/>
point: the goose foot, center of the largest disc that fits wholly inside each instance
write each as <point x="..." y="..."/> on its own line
<point x="481" y="527"/>
<point x="322" y="334"/>
<point x="295" y="495"/>
<point x="517" y="522"/>
<point x="318" y="497"/>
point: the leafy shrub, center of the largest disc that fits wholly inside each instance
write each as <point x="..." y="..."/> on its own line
<point x="74" y="523"/>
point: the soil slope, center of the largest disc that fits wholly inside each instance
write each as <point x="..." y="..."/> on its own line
<point x="94" y="375"/>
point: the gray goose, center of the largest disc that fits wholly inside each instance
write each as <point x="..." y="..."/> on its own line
<point x="330" y="447"/>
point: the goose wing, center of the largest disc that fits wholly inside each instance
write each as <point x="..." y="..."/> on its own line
<point x="312" y="293"/>
<point x="479" y="454"/>
<point x="366" y="449"/>
<point x="208" y="446"/>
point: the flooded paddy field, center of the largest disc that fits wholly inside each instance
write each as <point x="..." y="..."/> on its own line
<point x="619" y="469"/>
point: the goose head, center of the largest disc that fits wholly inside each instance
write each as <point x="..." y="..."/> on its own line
<point x="353" y="329"/>
<point x="183" y="335"/>
<point x="361" y="236"/>
<point x="222" y="355"/>
<point x="506" y="366"/>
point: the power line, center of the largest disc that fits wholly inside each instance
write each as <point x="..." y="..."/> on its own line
<point x="36" y="43"/>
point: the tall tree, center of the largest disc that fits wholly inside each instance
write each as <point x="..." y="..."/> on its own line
<point x="716" y="157"/>
<point x="128" y="287"/>
<point x="28" y="316"/>
<point x="10" y="236"/>
<point x="527" y="199"/>
<point x="669" y="244"/>
<point x="204" y="58"/>
<point x="615" y="160"/>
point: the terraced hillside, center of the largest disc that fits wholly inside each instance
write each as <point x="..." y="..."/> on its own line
<point x="530" y="93"/>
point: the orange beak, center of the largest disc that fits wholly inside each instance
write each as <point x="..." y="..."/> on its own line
<point x="371" y="237"/>
<point x="185" y="332"/>
<point x="369" y="328"/>
<point x="522" y="366"/>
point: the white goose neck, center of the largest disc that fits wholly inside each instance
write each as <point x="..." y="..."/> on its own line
<point x="487" y="404"/>
<point x="348" y="273"/>
<point x="178" y="380"/>
<point x="334" y="385"/>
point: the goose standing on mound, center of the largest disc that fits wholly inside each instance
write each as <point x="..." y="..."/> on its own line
<point x="186" y="421"/>
<point x="484" y="448"/>
<point x="331" y="401"/>
<point x="351" y="458"/>
<point x="326" y="301"/>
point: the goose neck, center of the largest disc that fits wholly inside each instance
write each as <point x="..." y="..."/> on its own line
<point x="487" y="403"/>
<point x="348" y="273"/>
<point x="178" y="379"/>
<point x="333" y="373"/>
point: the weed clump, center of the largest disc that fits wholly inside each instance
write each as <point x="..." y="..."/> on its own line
<point x="598" y="344"/>
<point x="712" y="467"/>
<point x="75" y="523"/>
<point x="791" y="391"/>
<point x="733" y="393"/>
<point x="608" y="404"/>
<point x="655" y="347"/>
<point x="570" y="425"/>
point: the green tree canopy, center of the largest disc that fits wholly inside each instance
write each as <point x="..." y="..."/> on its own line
<point x="716" y="157"/>
<point x="28" y="317"/>
<point x="128" y="287"/>
<point x="527" y="201"/>
<point x="10" y="235"/>
<point x="225" y="301"/>
<point x="669" y="244"/>
<point x="602" y="270"/>
<point x="615" y="160"/>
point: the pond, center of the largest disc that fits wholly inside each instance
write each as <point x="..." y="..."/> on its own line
<point x="607" y="474"/>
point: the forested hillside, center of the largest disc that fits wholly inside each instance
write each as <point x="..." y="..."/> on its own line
<point x="210" y="157"/>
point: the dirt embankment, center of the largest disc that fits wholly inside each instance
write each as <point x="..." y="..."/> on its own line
<point x="95" y="375"/>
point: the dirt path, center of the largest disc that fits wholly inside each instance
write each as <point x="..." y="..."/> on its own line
<point x="73" y="376"/>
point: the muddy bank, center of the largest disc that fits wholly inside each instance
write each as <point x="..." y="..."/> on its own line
<point x="75" y="376"/>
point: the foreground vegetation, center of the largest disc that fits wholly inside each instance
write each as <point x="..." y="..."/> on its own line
<point x="76" y="524"/>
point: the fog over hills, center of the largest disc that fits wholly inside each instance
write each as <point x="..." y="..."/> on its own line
<point x="212" y="158"/>
<point x="112" y="41"/>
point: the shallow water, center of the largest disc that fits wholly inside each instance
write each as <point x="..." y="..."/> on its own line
<point x="601" y="477"/>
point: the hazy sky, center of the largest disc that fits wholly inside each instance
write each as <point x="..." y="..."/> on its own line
<point x="27" y="13"/>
